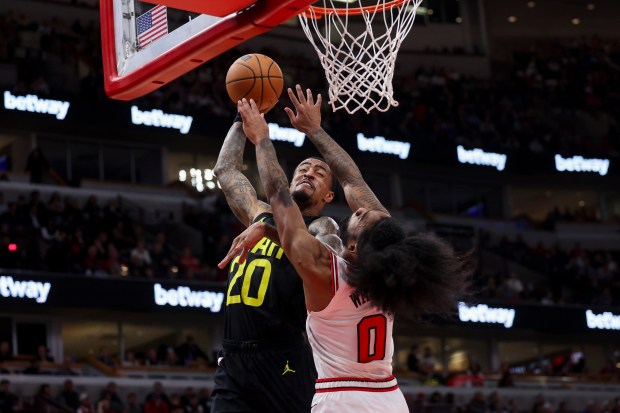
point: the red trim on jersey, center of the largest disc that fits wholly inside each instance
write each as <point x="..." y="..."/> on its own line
<point x="356" y="389"/>
<point x="336" y="278"/>
<point x="355" y="379"/>
<point x="333" y="259"/>
<point x="331" y="263"/>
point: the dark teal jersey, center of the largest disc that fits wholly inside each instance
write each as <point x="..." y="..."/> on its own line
<point x="264" y="295"/>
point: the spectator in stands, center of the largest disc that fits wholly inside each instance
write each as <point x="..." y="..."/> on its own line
<point x="8" y="400"/>
<point x="204" y="399"/>
<point x="111" y="394"/>
<point x="152" y="358"/>
<point x="428" y="362"/>
<point x="189" y="352"/>
<point x="413" y="363"/>
<point x="563" y="408"/>
<point x="43" y="400"/>
<point x="66" y="369"/>
<point x="68" y="397"/>
<point x="171" y="357"/>
<point x="506" y="379"/>
<point x="132" y="404"/>
<point x="156" y="404"/>
<point x="43" y="355"/>
<point x="477" y="404"/>
<point x="5" y="352"/>
<point x="103" y="406"/>
<point x="193" y="405"/>
<point x="158" y="392"/>
<point x="130" y="359"/>
<point x="104" y="357"/>
<point x="140" y="259"/>
<point x="85" y="404"/>
<point x="189" y="265"/>
<point x="37" y="166"/>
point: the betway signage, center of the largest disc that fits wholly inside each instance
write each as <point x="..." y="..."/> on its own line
<point x="160" y="119"/>
<point x="479" y="157"/>
<point x="603" y="321"/>
<point x="33" y="290"/>
<point x="35" y="104"/>
<point x="379" y="144"/>
<point x="581" y="164"/>
<point x="183" y="296"/>
<point x="484" y="314"/>
<point x="282" y="134"/>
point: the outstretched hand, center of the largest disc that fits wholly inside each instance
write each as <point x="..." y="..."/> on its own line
<point x="243" y="243"/>
<point x="308" y="116"/>
<point x="254" y="124"/>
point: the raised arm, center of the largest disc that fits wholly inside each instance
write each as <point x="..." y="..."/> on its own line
<point x="239" y="192"/>
<point x="310" y="258"/>
<point x="308" y="120"/>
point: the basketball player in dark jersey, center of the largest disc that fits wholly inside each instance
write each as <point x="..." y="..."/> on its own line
<point x="266" y="365"/>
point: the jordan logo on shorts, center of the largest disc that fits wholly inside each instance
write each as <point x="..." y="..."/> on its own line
<point x="287" y="369"/>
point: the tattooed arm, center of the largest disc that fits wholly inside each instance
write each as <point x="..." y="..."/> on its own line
<point x="311" y="259"/>
<point x="239" y="192"/>
<point x="308" y="120"/>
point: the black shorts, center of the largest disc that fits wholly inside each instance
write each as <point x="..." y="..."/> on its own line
<point x="261" y="377"/>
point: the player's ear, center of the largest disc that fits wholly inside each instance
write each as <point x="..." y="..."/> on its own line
<point x="329" y="197"/>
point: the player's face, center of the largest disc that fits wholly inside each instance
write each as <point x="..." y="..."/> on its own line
<point x="312" y="182"/>
<point x="361" y="220"/>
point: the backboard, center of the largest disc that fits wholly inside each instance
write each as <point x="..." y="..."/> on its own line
<point x="148" y="44"/>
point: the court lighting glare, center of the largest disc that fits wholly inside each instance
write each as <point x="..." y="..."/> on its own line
<point x="590" y="6"/>
<point x="531" y="4"/>
<point x="575" y="21"/>
<point x="512" y="19"/>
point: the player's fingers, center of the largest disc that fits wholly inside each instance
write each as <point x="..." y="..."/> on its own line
<point x="290" y="113"/>
<point x="243" y="256"/>
<point x="293" y="98"/>
<point x="300" y="94"/>
<point x="253" y="105"/>
<point x="309" y="96"/>
<point x="319" y="100"/>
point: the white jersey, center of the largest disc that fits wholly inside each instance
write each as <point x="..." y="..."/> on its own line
<point x="351" y="339"/>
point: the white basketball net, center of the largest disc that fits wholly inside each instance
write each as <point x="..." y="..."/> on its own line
<point x="359" y="65"/>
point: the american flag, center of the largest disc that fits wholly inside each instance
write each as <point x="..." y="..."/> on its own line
<point x="152" y="25"/>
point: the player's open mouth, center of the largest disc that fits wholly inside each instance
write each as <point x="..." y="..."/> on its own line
<point x="308" y="183"/>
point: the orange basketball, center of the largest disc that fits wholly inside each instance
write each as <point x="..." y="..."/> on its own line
<point x="255" y="76"/>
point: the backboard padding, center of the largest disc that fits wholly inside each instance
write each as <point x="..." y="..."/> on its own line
<point x="131" y="72"/>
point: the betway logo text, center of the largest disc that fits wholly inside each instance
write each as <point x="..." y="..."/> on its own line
<point x="482" y="313"/>
<point x="604" y="321"/>
<point x="186" y="297"/>
<point x="379" y="144"/>
<point x="33" y="103"/>
<point x="480" y="157"/>
<point x="159" y="119"/>
<point x="36" y="290"/>
<point x="279" y="133"/>
<point x="581" y="164"/>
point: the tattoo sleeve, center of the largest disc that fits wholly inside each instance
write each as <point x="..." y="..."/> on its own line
<point x="357" y="191"/>
<point x="239" y="192"/>
<point x="271" y="173"/>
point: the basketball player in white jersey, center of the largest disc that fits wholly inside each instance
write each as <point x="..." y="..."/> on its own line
<point x="351" y="300"/>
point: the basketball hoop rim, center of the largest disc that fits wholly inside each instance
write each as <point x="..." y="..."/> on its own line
<point x="314" y="12"/>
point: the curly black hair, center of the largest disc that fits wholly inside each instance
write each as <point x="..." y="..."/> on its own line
<point x="409" y="275"/>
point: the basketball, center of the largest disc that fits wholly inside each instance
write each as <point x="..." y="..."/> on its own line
<point x="255" y="76"/>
